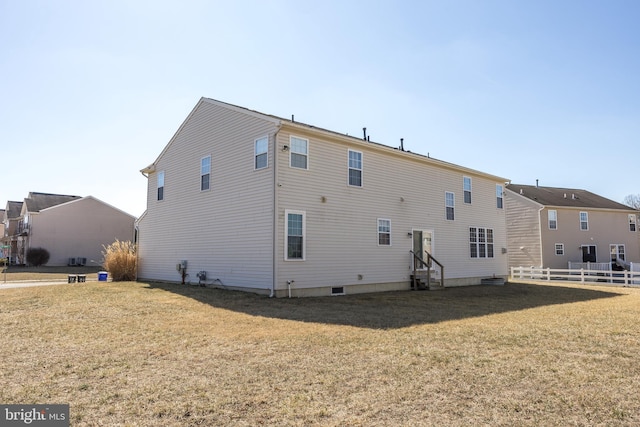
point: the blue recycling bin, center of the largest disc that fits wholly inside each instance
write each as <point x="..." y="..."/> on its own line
<point x="102" y="276"/>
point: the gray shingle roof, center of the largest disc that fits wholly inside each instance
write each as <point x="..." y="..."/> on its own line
<point x="13" y="209"/>
<point x="566" y="197"/>
<point x="39" y="201"/>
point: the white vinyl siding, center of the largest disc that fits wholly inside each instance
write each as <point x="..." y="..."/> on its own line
<point x="553" y="219"/>
<point x="450" y="204"/>
<point x="584" y="221"/>
<point x="160" y="183"/>
<point x="261" y="156"/>
<point x="466" y="187"/>
<point x="299" y="153"/>
<point x="295" y="235"/>
<point x="205" y="173"/>
<point x="355" y="168"/>
<point x="384" y="232"/>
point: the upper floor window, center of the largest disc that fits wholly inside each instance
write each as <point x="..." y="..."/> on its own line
<point x="261" y="158"/>
<point x="295" y="235"/>
<point x="584" y="221"/>
<point x="553" y="219"/>
<point x="355" y="168"/>
<point x="299" y="153"/>
<point x="161" y="185"/>
<point x="466" y="187"/>
<point x="449" y="202"/>
<point x="499" y="198"/>
<point x="480" y="242"/>
<point x="384" y="232"/>
<point x="632" y="222"/>
<point x="205" y="173"/>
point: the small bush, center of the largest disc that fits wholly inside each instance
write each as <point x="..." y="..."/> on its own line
<point x="120" y="260"/>
<point x="37" y="256"/>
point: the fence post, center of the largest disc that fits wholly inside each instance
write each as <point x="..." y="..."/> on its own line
<point x="582" y="275"/>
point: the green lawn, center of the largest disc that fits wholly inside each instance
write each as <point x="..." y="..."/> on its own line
<point x="138" y="354"/>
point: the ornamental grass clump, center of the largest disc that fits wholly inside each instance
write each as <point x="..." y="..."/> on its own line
<point x="120" y="260"/>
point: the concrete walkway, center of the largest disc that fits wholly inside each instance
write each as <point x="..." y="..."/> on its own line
<point x="27" y="284"/>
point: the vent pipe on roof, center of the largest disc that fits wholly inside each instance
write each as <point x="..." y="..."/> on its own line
<point x="364" y="133"/>
<point x="402" y="144"/>
<point x="292" y="118"/>
<point x="521" y="192"/>
<point x="536" y="183"/>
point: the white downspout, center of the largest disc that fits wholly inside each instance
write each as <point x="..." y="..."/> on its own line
<point x="274" y="260"/>
<point x="540" y="236"/>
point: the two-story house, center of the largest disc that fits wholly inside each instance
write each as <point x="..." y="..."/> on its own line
<point x="550" y="227"/>
<point x="72" y="228"/>
<point x="271" y="205"/>
<point x="10" y="222"/>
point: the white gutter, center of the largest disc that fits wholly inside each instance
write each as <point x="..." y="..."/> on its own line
<point x="540" y="235"/>
<point x="274" y="267"/>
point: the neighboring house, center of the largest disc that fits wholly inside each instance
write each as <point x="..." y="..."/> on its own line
<point x="271" y="205"/>
<point x="72" y="228"/>
<point x="550" y="227"/>
<point x="10" y="221"/>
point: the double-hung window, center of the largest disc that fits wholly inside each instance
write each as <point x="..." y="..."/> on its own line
<point x="499" y="196"/>
<point x="559" y="248"/>
<point x="584" y="221"/>
<point x="384" y="232"/>
<point x="261" y="158"/>
<point x="450" y="203"/>
<point x="295" y="231"/>
<point x="299" y="153"/>
<point x="632" y="222"/>
<point x="355" y="168"/>
<point x="161" y="185"/>
<point x="466" y="187"/>
<point x="205" y="173"/>
<point x="553" y="219"/>
<point x="480" y="242"/>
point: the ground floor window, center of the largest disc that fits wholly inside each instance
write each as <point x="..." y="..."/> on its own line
<point x="384" y="232"/>
<point x="559" y="248"/>
<point x="295" y="231"/>
<point x="481" y="242"/>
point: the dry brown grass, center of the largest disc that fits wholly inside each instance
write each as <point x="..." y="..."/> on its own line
<point x="163" y="355"/>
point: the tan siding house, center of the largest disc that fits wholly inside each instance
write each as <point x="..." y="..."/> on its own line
<point x="292" y="208"/>
<point x="70" y="227"/>
<point x="551" y="227"/>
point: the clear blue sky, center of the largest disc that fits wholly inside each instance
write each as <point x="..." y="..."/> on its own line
<point x="92" y="91"/>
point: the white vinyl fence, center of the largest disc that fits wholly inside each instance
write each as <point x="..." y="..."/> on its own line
<point x="603" y="277"/>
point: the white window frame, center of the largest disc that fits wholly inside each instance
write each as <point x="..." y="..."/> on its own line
<point x="466" y="190"/>
<point x="499" y="196"/>
<point x="448" y="205"/>
<point x="260" y="154"/>
<point x="382" y="232"/>
<point x="350" y="168"/>
<point x="633" y="223"/>
<point x="618" y="252"/>
<point x="552" y="219"/>
<point x="203" y="174"/>
<point x="288" y="212"/>
<point x="479" y="239"/>
<point x="559" y="247"/>
<point x="160" y="180"/>
<point x="293" y="151"/>
<point x="585" y="221"/>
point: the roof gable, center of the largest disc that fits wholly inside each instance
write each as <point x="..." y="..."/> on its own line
<point x="39" y="201"/>
<point x="13" y="209"/>
<point x="565" y="197"/>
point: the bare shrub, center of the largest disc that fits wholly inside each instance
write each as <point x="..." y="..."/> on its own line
<point x="37" y="256"/>
<point x="120" y="260"/>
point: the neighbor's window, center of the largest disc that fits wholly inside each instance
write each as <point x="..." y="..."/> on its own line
<point x="632" y="222"/>
<point x="299" y="153"/>
<point x="161" y="185"/>
<point x="450" y="203"/>
<point x="499" y="197"/>
<point x="260" y="153"/>
<point x="584" y="221"/>
<point x="466" y="187"/>
<point x="205" y="173"/>
<point x="384" y="232"/>
<point x="480" y="242"/>
<point x="559" y="248"/>
<point x="295" y="235"/>
<point x="553" y="219"/>
<point x="355" y="168"/>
